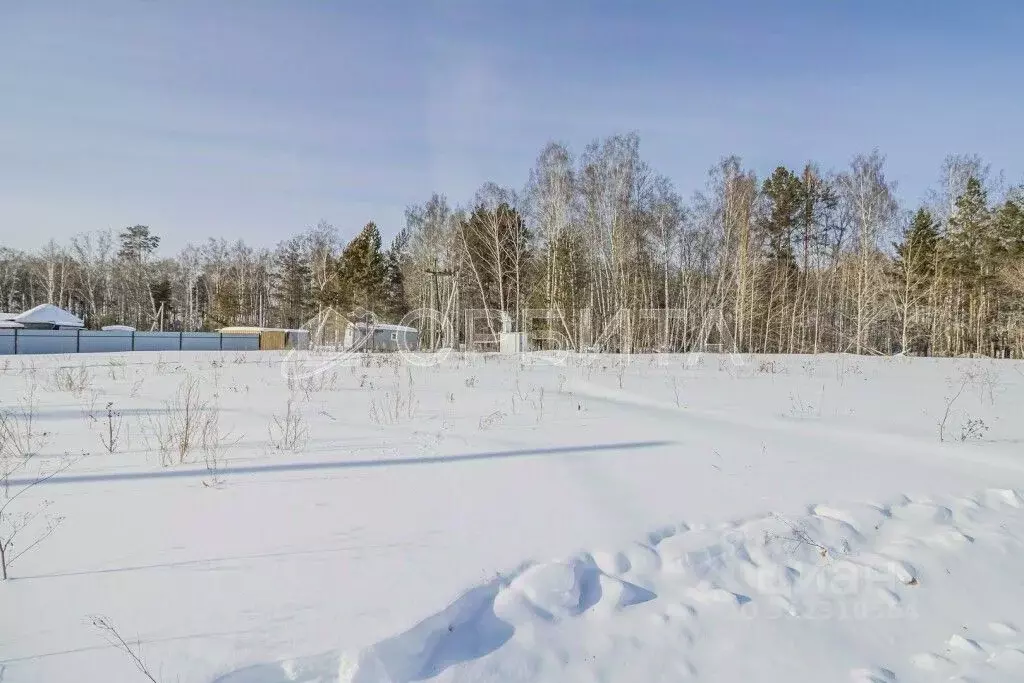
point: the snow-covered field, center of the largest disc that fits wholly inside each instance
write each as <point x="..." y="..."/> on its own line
<point x="499" y="518"/>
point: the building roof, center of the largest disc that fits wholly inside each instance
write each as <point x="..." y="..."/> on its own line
<point x="9" y="324"/>
<point x="385" y="327"/>
<point x="48" y="313"/>
<point x="245" y="329"/>
<point x="8" y="316"/>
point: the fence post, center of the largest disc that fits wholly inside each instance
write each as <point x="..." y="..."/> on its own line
<point x="221" y="341"/>
<point x="78" y="340"/>
<point x="15" y="341"/>
<point x="133" y="340"/>
<point x="181" y="340"/>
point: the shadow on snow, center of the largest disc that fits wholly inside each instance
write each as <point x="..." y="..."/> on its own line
<point x="345" y="464"/>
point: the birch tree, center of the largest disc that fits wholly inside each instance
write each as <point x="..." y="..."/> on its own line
<point x="869" y="196"/>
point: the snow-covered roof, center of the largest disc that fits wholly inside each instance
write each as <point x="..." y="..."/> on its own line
<point x="118" y="328"/>
<point x="48" y="313"/>
<point x="251" y="329"/>
<point x="8" y="316"/>
<point x="9" y="324"/>
<point x="385" y="327"/>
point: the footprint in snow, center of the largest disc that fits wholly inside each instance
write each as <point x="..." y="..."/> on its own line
<point x="872" y="675"/>
<point x="958" y="642"/>
<point x="930" y="661"/>
<point x="1003" y="629"/>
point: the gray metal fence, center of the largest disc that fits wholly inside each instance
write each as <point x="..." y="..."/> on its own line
<point x="23" y="341"/>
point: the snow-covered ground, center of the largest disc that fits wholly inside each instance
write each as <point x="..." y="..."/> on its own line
<point x="500" y="518"/>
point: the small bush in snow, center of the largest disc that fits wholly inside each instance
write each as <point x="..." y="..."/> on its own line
<point x="23" y="528"/>
<point x="973" y="429"/>
<point x="20" y="435"/>
<point x="492" y="420"/>
<point x="770" y="367"/>
<point x="72" y="380"/>
<point x="104" y="626"/>
<point x="110" y="426"/>
<point x="288" y="431"/>
<point x="177" y="432"/>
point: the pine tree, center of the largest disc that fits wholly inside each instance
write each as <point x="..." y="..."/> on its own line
<point x="784" y="195"/>
<point x="914" y="269"/>
<point x="916" y="252"/>
<point x="137" y="243"/>
<point x="362" y="270"/>
<point x="394" y="300"/>
<point x="162" y="296"/>
<point x="292" y="283"/>
<point x="1008" y="227"/>
<point x="969" y="235"/>
<point x="137" y="246"/>
<point x="969" y="250"/>
<point x="782" y="198"/>
<point x="224" y="308"/>
<point x="818" y="199"/>
<point x="496" y="245"/>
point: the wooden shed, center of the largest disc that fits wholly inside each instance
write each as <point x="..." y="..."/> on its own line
<point x="273" y="338"/>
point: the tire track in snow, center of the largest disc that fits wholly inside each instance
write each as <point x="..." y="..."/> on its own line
<point x="898" y="444"/>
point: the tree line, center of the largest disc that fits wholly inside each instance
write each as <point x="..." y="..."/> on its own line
<point x="601" y="250"/>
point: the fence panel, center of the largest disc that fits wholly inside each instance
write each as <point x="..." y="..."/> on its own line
<point x="47" y="341"/>
<point x="200" y="341"/>
<point x="24" y="341"/>
<point x="241" y="342"/>
<point x="6" y="342"/>
<point x="92" y="341"/>
<point x="157" y="341"/>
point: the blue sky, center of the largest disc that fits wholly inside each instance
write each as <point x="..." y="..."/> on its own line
<point x="255" y="118"/>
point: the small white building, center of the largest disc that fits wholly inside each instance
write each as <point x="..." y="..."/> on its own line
<point x="381" y="337"/>
<point x="514" y="342"/>
<point x="49" y="317"/>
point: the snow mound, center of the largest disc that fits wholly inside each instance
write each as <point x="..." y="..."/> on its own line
<point x="795" y="593"/>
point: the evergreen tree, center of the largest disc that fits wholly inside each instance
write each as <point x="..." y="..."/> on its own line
<point x="819" y="200"/>
<point x="913" y="270"/>
<point x="496" y="244"/>
<point x="1009" y="232"/>
<point x="161" y="293"/>
<point x="394" y="299"/>
<point x="137" y="247"/>
<point x="915" y="253"/>
<point x="137" y="243"/>
<point x="968" y="236"/>
<point x="224" y="307"/>
<point x="784" y="195"/>
<point x="292" y="282"/>
<point x="362" y="271"/>
<point x="1008" y="225"/>
<point x="971" y="252"/>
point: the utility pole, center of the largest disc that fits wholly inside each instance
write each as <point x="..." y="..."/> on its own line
<point x="160" y="318"/>
<point x="434" y="293"/>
